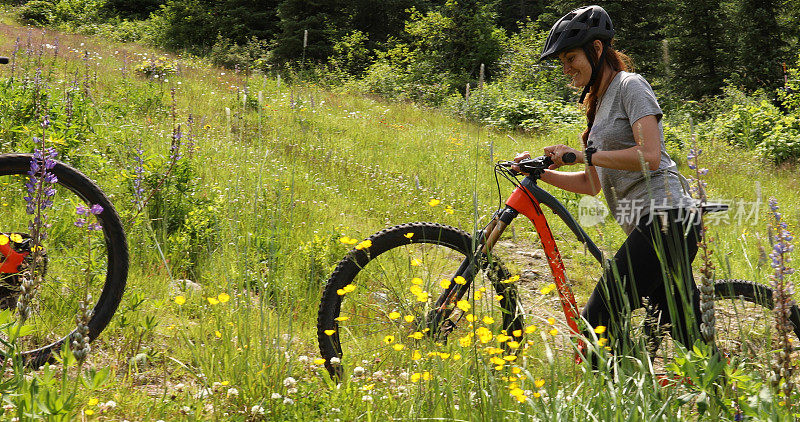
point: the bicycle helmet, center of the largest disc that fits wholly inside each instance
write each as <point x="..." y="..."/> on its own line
<point x="577" y="29"/>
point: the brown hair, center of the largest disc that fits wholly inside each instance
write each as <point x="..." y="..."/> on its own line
<point x="618" y="61"/>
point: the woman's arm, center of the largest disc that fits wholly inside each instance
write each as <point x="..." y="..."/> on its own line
<point x="584" y="182"/>
<point x="648" y="140"/>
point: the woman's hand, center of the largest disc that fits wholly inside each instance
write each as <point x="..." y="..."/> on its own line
<point x="520" y="156"/>
<point x="556" y="152"/>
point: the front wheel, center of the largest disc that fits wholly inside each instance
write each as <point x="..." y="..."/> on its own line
<point x="408" y="287"/>
<point x="83" y="256"/>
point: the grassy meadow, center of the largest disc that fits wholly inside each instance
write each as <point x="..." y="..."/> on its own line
<point x="231" y="245"/>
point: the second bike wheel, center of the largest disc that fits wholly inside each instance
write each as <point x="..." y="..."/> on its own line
<point x="384" y="305"/>
<point x="77" y="263"/>
<point x="745" y="322"/>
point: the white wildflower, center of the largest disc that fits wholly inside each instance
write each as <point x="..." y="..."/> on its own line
<point x="358" y="371"/>
<point x="276" y="396"/>
<point x="233" y="392"/>
<point x="257" y="410"/>
<point x="367" y="399"/>
<point x="289" y="382"/>
<point x="288" y="401"/>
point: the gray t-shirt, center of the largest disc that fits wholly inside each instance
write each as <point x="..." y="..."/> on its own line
<point x="630" y="195"/>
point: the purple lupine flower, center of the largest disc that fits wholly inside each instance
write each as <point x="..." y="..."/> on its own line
<point x="782" y="293"/>
<point x="84" y="212"/>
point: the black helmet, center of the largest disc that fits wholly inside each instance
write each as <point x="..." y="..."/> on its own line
<point x="576" y="28"/>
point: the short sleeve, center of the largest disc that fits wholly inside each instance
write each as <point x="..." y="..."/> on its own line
<point x="638" y="99"/>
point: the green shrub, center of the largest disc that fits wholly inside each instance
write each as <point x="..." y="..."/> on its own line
<point x="253" y="54"/>
<point x="37" y="12"/>
<point x="783" y="142"/>
<point x="156" y="68"/>
<point x="508" y="109"/>
<point x="747" y="125"/>
<point x="674" y="142"/>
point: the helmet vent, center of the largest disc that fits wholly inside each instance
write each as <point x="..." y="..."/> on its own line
<point x="573" y="32"/>
<point x="595" y="23"/>
<point x="583" y="18"/>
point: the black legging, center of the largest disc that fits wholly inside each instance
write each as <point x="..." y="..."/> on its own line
<point x="656" y="264"/>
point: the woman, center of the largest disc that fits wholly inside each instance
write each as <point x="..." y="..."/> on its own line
<point x="625" y="156"/>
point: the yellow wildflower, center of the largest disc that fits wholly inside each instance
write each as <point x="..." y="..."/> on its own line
<point x="463" y="305"/>
<point x="319" y="361"/>
<point x="329" y="332"/>
<point x="471" y="318"/>
<point x="553" y="332"/>
<point x="408" y="318"/>
<point x="460" y="280"/>
<point x="409" y="235"/>
<point x="488" y="320"/>
<point x="551" y="321"/>
<point x="341" y="318"/>
<point x="517" y="333"/>
<point x="547" y="289"/>
<point x="3" y="240"/>
<point x="416" y="335"/>
<point x="530" y="329"/>
<point x="16" y="238"/>
<point x="349" y="288"/>
<point x="398" y="347"/>
<point x="223" y="297"/>
<point x="416" y="355"/>
<point x="212" y="300"/>
<point x="388" y="339"/>
<point x="434" y="202"/>
<point x="415" y="377"/>
<point x="538" y="383"/>
<point x="93" y="401"/>
<point x="218" y="334"/>
<point x="445" y="283"/>
<point x="416" y="262"/>
<point x="364" y="244"/>
<point x="180" y="300"/>
<point x="465" y="341"/>
<point x="394" y="315"/>
<point x="600" y="329"/>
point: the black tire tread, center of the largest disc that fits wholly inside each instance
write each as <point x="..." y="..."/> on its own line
<point x="116" y="244"/>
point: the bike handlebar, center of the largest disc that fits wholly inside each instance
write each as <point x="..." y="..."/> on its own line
<point x="3" y="60"/>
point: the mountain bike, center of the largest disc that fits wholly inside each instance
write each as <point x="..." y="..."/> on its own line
<point x="427" y="282"/>
<point x="75" y="263"/>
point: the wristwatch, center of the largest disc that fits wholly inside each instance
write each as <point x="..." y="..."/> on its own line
<point x="587" y="154"/>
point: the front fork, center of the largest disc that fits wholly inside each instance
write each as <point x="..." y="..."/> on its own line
<point x="438" y="321"/>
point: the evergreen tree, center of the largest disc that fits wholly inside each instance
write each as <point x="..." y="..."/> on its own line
<point x="325" y="21"/>
<point x="761" y="44"/>
<point x="512" y="12"/>
<point x="699" y="57"/>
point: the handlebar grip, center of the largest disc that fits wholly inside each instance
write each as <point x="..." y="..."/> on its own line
<point x="568" y="158"/>
<point x="3" y="60"/>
